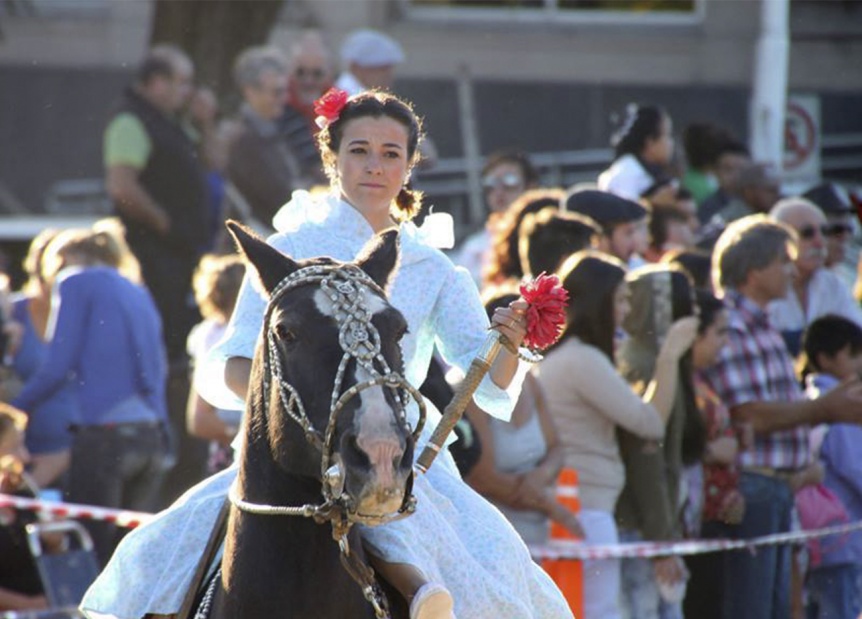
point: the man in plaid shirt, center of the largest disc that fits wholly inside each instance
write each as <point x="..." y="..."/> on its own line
<point x="752" y="265"/>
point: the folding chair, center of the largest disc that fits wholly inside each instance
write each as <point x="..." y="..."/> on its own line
<point x="65" y="575"/>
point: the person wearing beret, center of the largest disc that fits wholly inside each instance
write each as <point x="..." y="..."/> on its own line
<point x="368" y="61"/>
<point x="620" y="219"/>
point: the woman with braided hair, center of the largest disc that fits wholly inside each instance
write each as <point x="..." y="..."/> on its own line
<point x="455" y="540"/>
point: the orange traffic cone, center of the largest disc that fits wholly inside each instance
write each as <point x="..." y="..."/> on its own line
<point x="566" y="573"/>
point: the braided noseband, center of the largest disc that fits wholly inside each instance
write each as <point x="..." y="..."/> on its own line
<point x="346" y="286"/>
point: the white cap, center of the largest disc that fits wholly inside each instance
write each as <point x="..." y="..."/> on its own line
<point x="369" y="48"/>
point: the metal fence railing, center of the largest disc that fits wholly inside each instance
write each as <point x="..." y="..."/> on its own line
<point x="446" y="185"/>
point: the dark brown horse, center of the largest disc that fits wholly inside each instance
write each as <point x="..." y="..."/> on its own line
<point x="327" y="443"/>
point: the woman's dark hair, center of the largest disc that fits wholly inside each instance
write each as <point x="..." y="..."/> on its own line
<point x="550" y="236"/>
<point x="696" y="262"/>
<point x="376" y="104"/>
<point x="710" y="306"/>
<point x="641" y="123"/>
<point x="684" y="304"/>
<point x="829" y="335"/>
<point x="682" y="294"/>
<point x="517" y="157"/>
<point x="591" y="279"/>
<point x="505" y="260"/>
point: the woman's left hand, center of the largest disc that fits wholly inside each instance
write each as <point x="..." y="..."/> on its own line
<point x="512" y="321"/>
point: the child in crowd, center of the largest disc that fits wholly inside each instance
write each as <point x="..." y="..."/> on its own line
<point x="216" y="285"/>
<point x="833" y="352"/>
<point x="20" y="586"/>
<point x="714" y="499"/>
<point x="643" y="150"/>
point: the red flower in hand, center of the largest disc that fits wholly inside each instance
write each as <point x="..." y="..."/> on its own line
<point x="329" y="106"/>
<point x="547" y="312"/>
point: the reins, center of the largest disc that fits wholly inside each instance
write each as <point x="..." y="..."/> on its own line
<point x="346" y="286"/>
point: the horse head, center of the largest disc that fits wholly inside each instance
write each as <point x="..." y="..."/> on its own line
<point x="327" y="395"/>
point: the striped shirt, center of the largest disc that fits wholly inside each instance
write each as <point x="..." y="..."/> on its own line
<point x="756" y="367"/>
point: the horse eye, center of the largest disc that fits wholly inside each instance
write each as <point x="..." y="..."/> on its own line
<point x="284" y="334"/>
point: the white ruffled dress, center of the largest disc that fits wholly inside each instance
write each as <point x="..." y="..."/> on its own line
<point x="456" y="537"/>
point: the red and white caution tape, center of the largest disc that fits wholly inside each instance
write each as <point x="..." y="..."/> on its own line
<point x="555" y="549"/>
<point x="120" y="517"/>
<point x="578" y="550"/>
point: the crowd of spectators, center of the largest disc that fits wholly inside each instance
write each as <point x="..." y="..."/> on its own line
<point x="706" y="383"/>
<point x="698" y="292"/>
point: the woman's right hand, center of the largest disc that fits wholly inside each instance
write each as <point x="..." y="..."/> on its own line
<point x="679" y="338"/>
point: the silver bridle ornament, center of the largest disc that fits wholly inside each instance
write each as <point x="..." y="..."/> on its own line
<point x="346" y="287"/>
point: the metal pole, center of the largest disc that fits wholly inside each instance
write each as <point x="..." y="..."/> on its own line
<point x="769" y="87"/>
<point x="470" y="143"/>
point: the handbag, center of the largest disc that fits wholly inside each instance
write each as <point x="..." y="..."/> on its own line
<point x="819" y="507"/>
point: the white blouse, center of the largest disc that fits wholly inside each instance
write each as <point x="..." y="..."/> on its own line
<point x="439" y="301"/>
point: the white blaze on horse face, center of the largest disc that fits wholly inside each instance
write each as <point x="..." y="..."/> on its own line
<point x="374" y="422"/>
<point x="376" y="434"/>
<point x="326" y="307"/>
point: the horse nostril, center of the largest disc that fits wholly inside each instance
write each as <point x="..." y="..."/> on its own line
<point x="383" y="454"/>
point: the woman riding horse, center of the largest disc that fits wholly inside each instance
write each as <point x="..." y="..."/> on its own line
<point x="455" y="538"/>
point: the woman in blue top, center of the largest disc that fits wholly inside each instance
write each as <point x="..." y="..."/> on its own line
<point x="105" y="332"/>
<point x="48" y="436"/>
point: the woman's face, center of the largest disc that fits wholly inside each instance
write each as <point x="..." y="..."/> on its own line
<point x="659" y="149"/>
<point x="708" y="345"/>
<point x="502" y="185"/>
<point x="372" y="163"/>
<point x="622" y="305"/>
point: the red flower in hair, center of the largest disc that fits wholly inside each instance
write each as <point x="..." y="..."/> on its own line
<point x="547" y="312"/>
<point x="329" y="106"/>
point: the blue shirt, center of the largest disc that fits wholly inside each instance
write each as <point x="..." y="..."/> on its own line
<point x="107" y="337"/>
<point x="842" y="461"/>
<point x="48" y="426"/>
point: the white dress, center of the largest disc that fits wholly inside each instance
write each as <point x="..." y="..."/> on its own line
<point x="456" y="537"/>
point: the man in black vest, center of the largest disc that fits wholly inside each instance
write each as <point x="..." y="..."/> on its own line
<point x="157" y="183"/>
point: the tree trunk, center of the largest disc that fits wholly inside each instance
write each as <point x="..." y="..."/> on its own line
<point x="213" y="33"/>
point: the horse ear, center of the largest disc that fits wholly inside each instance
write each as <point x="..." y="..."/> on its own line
<point x="271" y="265"/>
<point x="379" y="257"/>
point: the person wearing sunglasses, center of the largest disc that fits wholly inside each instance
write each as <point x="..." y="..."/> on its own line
<point x="310" y="75"/>
<point x="839" y="212"/>
<point x="815" y="291"/>
<point x="505" y="176"/>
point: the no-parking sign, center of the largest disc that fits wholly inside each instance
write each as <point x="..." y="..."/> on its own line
<point x="802" y="138"/>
